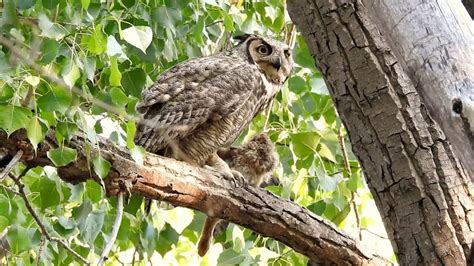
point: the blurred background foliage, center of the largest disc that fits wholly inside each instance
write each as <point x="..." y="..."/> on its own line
<point x="78" y="55"/>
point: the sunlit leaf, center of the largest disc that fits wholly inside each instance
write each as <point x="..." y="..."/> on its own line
<point x="49" y="29"/>
<point x="115" y="75"/>
<point x="178" y="218"/>
<point x="35" y="132"/>
<point x="101" y="166"/>
<point x="138" y="36"/>
<point x="85" y="4"/>
<point x="57" y="99"/>
<point x="13" y="118"/>
<point x="62" y="156"/>
<point x="97" y="43"/>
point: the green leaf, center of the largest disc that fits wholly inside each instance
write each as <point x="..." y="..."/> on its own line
<point x="305" y="143"/>
<point x="49" y="29"/>
<point x="19" y="239"/>
<point x="66" y="129"/>
<point x="57" y="99"/>
<point x="318" y="207"/>
<point x="46" y="189"/>
<point x="93" y="226"/>
<point x="228" y="22"/>
<point x="138" y="36"/>
<point x="115" y="75"/>
<point x="9" y="15"/>
<point x="70" y="73"/>
<point x="85" y="4"/>
<point x="50" y="4"/>
<point x="329" y="183"/>
<point x="13" y="118"/>
<point x="199" y="31"/>
<point x="133" y="205"/>
<point x="178" y="218"/>
<point x="6" y="93"/>
<point x="6" y="69"/>
<point x="25" y="4"/>
<point x="118" y="97"/>
<point x="133" y="81"/>
<point x="97" y="42"/>
<point x="167" y="17"/>
<point x="35" y="132"/>
<point x="101" y="166"/>
<point x="4" y="223"/>
<point x="137" y="154"/>
<point x="325" y="152"/>
<point x="114" y="48"/>
<point x="62" y="156"/>
<point x="230" y="257"/>
<point x="238" y="238"/>
<point x="89" y="67"/>
<point x="32" y="80"/>
<point x="131" y="130"/>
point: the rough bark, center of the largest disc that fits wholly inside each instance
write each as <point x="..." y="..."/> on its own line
<point x="424" y="196"/>
<point x="469" y="4"/>
<point x="434" y="43"/>
<point x="184" y="185"/>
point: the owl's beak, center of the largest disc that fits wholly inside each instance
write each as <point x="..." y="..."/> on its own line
<point x="277" y="63"/>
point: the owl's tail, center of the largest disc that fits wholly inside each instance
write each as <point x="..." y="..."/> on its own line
<point x="206" y="235"/>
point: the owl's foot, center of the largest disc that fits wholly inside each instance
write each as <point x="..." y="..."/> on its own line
<point x="219" y="165"/>
<point x="238" y="177"/>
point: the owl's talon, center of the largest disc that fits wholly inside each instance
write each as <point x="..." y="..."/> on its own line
<point x="238" y="177"/>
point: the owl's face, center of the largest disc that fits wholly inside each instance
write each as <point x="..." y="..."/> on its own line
<point x="273" y="58"/>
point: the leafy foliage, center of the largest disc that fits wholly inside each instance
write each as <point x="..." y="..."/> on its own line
<point x="106" y="52"/>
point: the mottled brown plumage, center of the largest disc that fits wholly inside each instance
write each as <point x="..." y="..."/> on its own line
<point x="203" y="104"/>
<point x="256" y="161"/>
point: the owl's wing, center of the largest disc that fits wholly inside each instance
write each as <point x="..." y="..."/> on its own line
<point x="174" y="80"/>
<point x="199" y="90"/>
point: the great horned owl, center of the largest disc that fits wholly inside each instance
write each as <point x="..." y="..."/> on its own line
<point x="203" y="104"/>
<point x="255" y="160"/>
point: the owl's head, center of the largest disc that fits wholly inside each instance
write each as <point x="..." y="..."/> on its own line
<point x="272" y="57"/>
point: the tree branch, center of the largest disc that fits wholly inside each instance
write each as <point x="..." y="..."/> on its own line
<point x="11" y="164"/>
<point x="38" y="221"/>
<point x="115" y="229"/>
<point x="200" y="189"/>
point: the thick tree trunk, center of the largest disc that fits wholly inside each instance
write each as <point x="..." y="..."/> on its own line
<point x="424" y="196"/>
<point x="434" y="43"/>
<point x="200" y="189"/>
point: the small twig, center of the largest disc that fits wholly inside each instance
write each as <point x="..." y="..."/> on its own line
<point x="215" y="22"/>
<point x="40" y="224"/>
<point x="347" y="167"/>
<point x="11" y="164"/>
<point x="354" y="205"/>
<point x="115" y="229"/>
<point x="373" y="233"/>
<point x="134" y="255"/>
<point x="10" y="190"/>
<point x="40" y="249"/>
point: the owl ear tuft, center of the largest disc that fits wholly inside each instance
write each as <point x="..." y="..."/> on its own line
<point x="244" y="37"/>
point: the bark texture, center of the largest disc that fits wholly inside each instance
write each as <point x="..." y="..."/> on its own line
<point x="469" y="4"/>
<point x="423" y="194"/>
<point x="203" y="190"/>
<point x="434" y="43"/>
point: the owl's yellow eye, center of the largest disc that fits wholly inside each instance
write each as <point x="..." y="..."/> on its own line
<point x="263" y="49"/>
